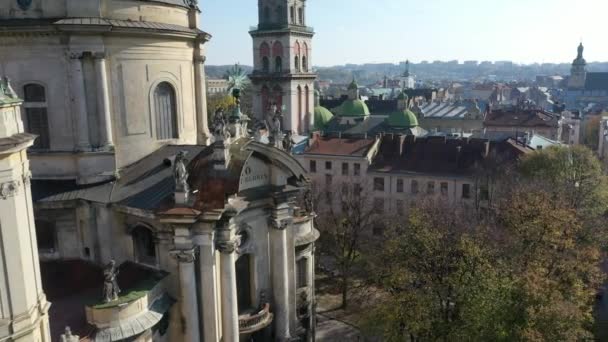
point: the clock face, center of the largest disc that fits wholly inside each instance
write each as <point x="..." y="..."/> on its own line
<point x="24" y="4"/>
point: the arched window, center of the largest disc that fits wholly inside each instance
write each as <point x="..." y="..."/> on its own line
<point x="277" y="49"/>
<point x="265" y="94"/>
<point x="36" y="115"/>
<point x="165" y="109"/>
<point x="265" y="64"/>
<point x="305" y="57"/>
<point x="278" y="64"/>
<point x="299" y="109"/>
<point x="296" y="63"/>
<point x="304" y="64"/>
<point x="292" y="15"/>
<point x="300" y="16"/>
<point x="277" y="94"/>
<point x="144" y="245"/>
<point x="307" y="108"/>
<point x="297" y="52"/>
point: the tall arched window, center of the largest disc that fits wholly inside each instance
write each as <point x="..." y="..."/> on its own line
<point x="144" y="245"/>
<point x="165" y="110"/>
<point x="265" y="94"/>
<point x="296" y="63"/>
<point x="265" y="64"/>
<point x="277" y="52"/>
<point x="299" y="110"/>
<point x="297" y="52"/>
<point x="305" y="57"/>
<point x="278" y="64"/>
<point x="307" y="108"/>
<point x="277" y="93"/>
<point x="292" y="15"/>
<point x="36" y="116"/>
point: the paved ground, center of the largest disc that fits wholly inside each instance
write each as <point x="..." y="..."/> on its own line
<point x="329" y="330"/>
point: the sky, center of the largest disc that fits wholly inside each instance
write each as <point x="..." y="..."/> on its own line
<point x="390" y="31"/>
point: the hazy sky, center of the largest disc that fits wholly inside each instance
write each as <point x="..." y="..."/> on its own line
<point x="357" y="31"/>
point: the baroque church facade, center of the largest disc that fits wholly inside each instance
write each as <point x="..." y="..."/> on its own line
<point x="211" y="230"/>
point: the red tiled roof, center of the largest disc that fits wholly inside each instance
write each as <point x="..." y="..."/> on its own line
<point x="521" y="117"/>
<point x="340" y="146"/>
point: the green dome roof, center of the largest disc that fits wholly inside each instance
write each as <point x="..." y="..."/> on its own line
<point x="322" y="117"/>
<point x="353" y="108"/>
<point x="403" y="119"/>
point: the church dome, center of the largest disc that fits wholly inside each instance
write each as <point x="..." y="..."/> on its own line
<point x="403" y="119"/>
<point x="322" y="117"/>
<point x="353" y="108"/>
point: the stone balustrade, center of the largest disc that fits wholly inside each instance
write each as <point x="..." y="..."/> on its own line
<point x="252" y="323"/>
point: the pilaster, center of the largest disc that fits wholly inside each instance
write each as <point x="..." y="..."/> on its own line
<point x="226" y="244"/>
<point x="78" y="102"/>
<point x="103" y="102"/>
<point x="188" y="298"/>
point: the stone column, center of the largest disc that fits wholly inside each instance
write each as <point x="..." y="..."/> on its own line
<point x="279" y="264"/>
<point x="230" y="311"/>
<point x="103" y="102"/>
<point x="78" y="102"/>
<point x="208" y="290"/>
<point x="202" y="130"/>
<point x="188" y="301"/>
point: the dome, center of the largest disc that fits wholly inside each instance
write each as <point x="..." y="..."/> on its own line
<point x="322" y="117"/>
<point x="353" y="108"/>
<point x="403" y="119"/>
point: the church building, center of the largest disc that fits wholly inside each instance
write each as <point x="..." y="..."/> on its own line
<point x="151" y="226"/>
<point x="585" y="87"/>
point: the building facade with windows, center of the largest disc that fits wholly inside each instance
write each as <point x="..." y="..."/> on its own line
<point x="282" y="77"/>
<point x="104" y="82"/>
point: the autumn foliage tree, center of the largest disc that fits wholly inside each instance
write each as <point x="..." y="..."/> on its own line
<point x="527" y="271"/>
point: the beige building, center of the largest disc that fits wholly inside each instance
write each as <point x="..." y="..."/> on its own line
<point x="23" y="305"/>
<point x="105" y="82"/>
<point x="217" y="86"/>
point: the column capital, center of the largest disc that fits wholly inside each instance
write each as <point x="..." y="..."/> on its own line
<point x="74" y="55"/>
<point x="9" y="189"/>
<point x="280" y="224"/>
<point x="99" y="55"/>
<point x="226" y="247"/>
<point x="184" y="255"/>
<point x="200" y="59"/>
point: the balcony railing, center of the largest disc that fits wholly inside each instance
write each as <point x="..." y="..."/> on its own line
<point x="252" y="323"/>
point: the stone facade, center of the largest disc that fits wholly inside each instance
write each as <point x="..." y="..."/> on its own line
<point x="105" y="82"/>
<point x="23" y="305"/>
<point x="282" y="63"/>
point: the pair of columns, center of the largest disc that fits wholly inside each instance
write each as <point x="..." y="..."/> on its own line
<point x="223" y="324"/>
<point x="79" y="102"/>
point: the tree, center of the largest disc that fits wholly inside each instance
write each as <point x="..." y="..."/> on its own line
<point x="440" y="283"/>
<point x="572" y="173"/>
<point x="592" y="132"/>
<point x="344" y="220"/>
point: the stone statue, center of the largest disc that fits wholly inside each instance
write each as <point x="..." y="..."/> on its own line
<point x="288" y="142"/>
<point x="180" y="173"/>
<point x="191" y="3"/>
<point x="220" y="127"/>
<point x="308" y="202"/>
<point x="110" y="284"/>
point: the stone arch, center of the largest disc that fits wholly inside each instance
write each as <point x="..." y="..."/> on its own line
<point x="164" y="103"/>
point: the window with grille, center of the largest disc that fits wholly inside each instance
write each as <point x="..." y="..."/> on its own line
<point x="165" y="109"/>
<point x="399" y="185"/>
<point x="36" y="115"/>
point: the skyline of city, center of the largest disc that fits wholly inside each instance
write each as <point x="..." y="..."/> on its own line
<point x="422" y="32"/>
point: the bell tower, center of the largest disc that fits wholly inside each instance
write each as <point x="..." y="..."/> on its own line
<point x="283" y="79"/>
<point x="578" y="72"/>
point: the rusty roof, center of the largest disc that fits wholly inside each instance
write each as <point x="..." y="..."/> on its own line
<point x="340" y="146"/>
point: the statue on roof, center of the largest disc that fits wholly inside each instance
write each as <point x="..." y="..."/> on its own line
<point x="180" y="173"/>
<point x="110" y="282"/>
<point x="220" y="127"/>
<point x="191" y="3"/>
<point x="288" y="142"/>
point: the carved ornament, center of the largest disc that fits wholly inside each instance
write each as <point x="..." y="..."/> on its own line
<point x="184" y="256"/>
<point x="9" y="189"/>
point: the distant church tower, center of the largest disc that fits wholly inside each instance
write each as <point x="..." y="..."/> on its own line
<point x="282" y="77"/>
<point x="23" y="305"/>
<point x="578" y="73"/>
<point x="406" y="79"/>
